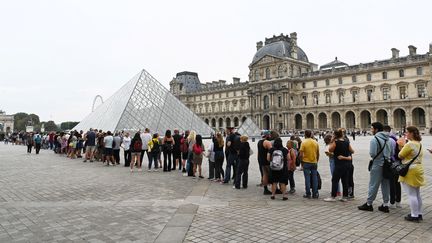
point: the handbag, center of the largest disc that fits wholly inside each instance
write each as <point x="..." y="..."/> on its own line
<point x="402" y="169"/>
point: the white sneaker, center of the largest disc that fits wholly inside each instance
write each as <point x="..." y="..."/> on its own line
<point x="149" y="170"/>
<point x="330" y="199"/>
<point x="155" y="170"/>
<point x="343" y="199"/>
<point x="139" y="170"/>
<point x="398" y="205"/>
<point x="392" y="205"/>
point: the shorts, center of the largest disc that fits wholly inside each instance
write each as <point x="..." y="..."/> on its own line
<point x="136" y="154"/>
<point x="197" y="159"/>
<point x="108" y="151"/>
<point x="91" y="149"/>
<point x="266" y="170"/>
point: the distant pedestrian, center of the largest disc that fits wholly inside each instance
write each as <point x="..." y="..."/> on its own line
<point x="136" y="148"/>
<point x="126" y="144"/>
<point x="309" y="154"/>
<point x="198" y="150"/>
<point x="167" y="147"/>
<point x="278" y="157"/>
<point x="243" y="164"/>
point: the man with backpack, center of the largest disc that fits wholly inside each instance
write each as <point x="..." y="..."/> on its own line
<point x="380" y="150"/>
<point x="395" y="186"/>
<point x="37" y="138"/>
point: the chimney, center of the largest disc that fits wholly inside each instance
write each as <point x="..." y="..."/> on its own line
<point x="412" y="50"/>
<point x="236" y="80"/>
<point x="293" y="42"/>
<point x="430" y="48"/>
<point x="222" y="82"/>
<point x="395" y="53"/>
<point x="259" y="45"/>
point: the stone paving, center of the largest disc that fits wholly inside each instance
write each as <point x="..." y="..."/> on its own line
<point x="48" y="198"/>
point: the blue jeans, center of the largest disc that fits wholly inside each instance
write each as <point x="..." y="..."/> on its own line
<point x="310" y="169"/>
<point x="376" y="179"/>
<point x="332" y="167"/>
<point x="154" y="157"/>
<point x="231" y="161"/>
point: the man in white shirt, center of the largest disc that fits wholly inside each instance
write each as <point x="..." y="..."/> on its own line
<point x="108" y="143"/>
<point x="145" y="137"/>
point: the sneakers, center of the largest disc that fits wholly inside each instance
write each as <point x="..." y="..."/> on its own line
<point x="149" y="170"/>
<point x="184" y="170"/>
<point x="201" y="177"/>
<point x="139" y="170"/>
<point x="278" y="191"/>
<point x="316" y="196"/>
<point x="307" y="196"/>
<point x="330" y="199"/>
<point x="412" y="219"/>
<point x="292" y="191"/>
<point x="267" y="191"/>
<point x="343" y="199"/>
<point x="384" y="209"/>
<point x="398" y="205"/>
<point x="85" y="161"/>
<point x="366" y="207"/>
<point x="392" y="205"/>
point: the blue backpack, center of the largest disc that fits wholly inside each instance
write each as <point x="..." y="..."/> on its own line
<point x="38" y="139"/>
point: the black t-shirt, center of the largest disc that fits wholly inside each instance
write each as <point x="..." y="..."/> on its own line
<point x="262" y="153"/>
<point x="177" y="138"/>
<point x="216" y="146"/>
<point x="342" y="148"/>
<point x="235" y="143"/>
<point x="91" y="139"/>
<point x="244" y="150"/>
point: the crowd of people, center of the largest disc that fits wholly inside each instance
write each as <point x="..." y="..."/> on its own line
<point x="277" y="162"/>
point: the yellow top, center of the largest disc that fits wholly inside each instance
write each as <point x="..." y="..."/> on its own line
<point x="310" y="150"/>
<point x="415" y="175"/>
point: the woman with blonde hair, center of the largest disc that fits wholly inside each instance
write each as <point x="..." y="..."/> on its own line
<point x="191" y="141"/>
<point x="412" y="156"/>
<point x="218" y="144"/>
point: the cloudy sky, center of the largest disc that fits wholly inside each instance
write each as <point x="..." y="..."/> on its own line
<point x="56" y="55"/>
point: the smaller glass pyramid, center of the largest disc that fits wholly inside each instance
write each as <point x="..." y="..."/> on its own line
<point x="144" y="103"/>
<point x="249" y="128"/>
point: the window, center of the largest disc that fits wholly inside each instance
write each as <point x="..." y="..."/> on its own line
<point x="386" y="93"/>
<point x="279" y="101"/>
<point x="280" y="71"/>
<point x="402" y="92"/>
<point x="340" y="80"/>
<point x="267" y="73"/>
<point x="384" y="75"/>
<point x="369" y="94"/>
<point x="266" y="102"/>
<point x="303" y="85"/>
<point x="354" y="96"/>
<point x="421" y="91"/>
<point x="401" y="73"/>
<point x="257" y="75"/>
<point x="315" y="84"/>
<point x="328" y="98"/>
<point x="369" y="77"/>
<point x="420" y="71"/>
<point x="304" y="100"/>
<point x="327" y="82"/>
<point x="315" y="97"/>
<point x="340" y="97"/>
<point x="354" y="78"/>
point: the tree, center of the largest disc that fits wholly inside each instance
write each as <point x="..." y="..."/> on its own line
<point x="50" y="126"/>
<point x="22" y="120"/>
<point x="68" y="125"/>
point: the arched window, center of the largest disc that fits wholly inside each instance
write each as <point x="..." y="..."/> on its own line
<point x="280" y="71"/>
<point x="266" y="102"/>
<point x="257" y="75"/>
<point x="267" y="73"/>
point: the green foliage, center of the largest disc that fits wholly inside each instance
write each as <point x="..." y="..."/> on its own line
<point x="68" y="125"/>
<point x="22" y="120"/>
<point x="50" y="126"/>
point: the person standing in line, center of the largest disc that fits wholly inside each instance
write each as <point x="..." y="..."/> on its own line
<point x="342" y="152"/>
<point x="146" y="137"/>
<point x="211" y="161"/>
<point x="168" y="147"/>
<point x="37" y="139"/>
<point x="126" y="144"/>
<point x="108" y="144"/>
<point x="154" y="149"/>
<point x="278" y="156"/>
<point x="309" y="154"/>
<point x="218" y="144"/>
<point x="190" y="141"/>
<point x="116" y="148"/>
<point x="243" y="164"/>
<point x="176" y="151"/>
<point x="233" y="147"/>
<point x="197" y="150"/>
<point x="90" y="139"/>
<point x="263" y="147"/>
<point x="395" y="186"/>
<point x="411" y="152"/>
<point x="379" y="150"/>
<point x="184" y="148"/>
<point x="328" y="140"/>
<point x="292" y="156"/>
<point x="136" y="148"/>
<point x="29" y="142"/>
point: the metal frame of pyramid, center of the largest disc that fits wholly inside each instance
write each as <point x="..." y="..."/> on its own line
<point x="141" y="103"/>
<point x="249" y="128"/>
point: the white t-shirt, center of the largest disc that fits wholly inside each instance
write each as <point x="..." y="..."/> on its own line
<point x="108" y="141"/>
<point x="126" y="143"/>
<point x="145" y="137"/>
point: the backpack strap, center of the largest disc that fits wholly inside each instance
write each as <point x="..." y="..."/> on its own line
<point x="381" y="148"/>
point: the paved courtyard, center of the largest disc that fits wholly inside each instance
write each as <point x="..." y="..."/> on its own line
<point x="48" y="198"/>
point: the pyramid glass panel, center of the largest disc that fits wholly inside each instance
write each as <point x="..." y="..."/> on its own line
<point x="144" y="103"/>
<point x="249" y="128"/>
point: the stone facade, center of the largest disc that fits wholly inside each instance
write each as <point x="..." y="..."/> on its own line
<point x="285" y="91"/>
<point x="6" y="122"/>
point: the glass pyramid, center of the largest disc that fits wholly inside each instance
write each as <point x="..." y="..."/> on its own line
<point x="144" y="103"/>
<point x="249" y="128"/>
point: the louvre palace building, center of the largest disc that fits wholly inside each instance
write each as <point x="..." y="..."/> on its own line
<point x="287" y="92"/>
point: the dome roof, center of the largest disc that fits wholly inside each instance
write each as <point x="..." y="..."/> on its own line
<point x="334" y="64"/>
<point x="279" y="49"/>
